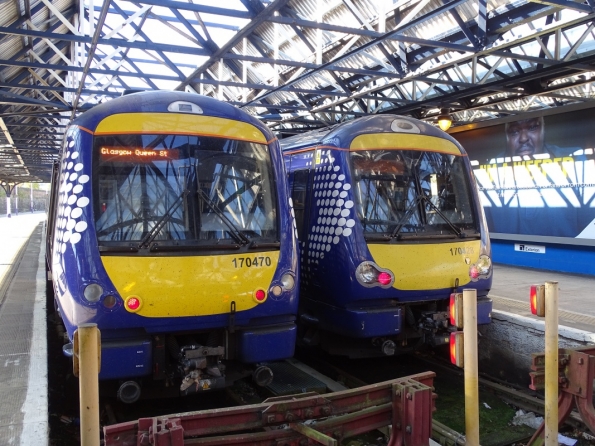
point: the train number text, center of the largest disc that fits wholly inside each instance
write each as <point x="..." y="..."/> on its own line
<point x="240" y="262"/>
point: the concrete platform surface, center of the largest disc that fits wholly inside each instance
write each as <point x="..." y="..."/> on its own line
<point x="511" y="287"/>
<point x="23" y="347"/>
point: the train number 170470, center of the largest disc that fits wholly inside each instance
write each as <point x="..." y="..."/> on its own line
<point x="241" y="262"/>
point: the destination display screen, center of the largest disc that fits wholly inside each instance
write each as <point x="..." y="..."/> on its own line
<point x="136" y="155"/>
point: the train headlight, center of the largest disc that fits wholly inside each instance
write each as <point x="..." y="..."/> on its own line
<point x="109" y="302"/>
<point x="481" y="269"/>
<point x="93" y="292"/>
<point x="484" y="265"/>
<point x="370" y="275"/>
<point x="287" y="281"/>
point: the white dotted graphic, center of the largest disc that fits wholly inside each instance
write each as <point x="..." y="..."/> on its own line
<point x="335" y="218"/>
<point x="311" y="157"/>
<point x="71" y="200"/>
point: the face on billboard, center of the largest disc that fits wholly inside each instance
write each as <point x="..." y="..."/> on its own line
<point x="524" y="137"/>
<point x="533" y="180"/>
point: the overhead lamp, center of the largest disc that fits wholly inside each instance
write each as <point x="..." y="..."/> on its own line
<point x="444" y="119"/>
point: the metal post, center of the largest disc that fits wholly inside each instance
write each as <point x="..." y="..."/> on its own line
<point x="31" y="197"/>
<point x="551" y="364"/>
<point x="87" y="352"/>
<point x="16" y="199"/>
<point x="8" y="204"/>
<point x="471" y="369"/>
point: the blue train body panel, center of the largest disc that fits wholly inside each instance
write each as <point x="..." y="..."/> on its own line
<point x="131" y="358"/>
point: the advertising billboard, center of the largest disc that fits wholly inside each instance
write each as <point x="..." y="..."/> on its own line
<point x="537" y="176"/>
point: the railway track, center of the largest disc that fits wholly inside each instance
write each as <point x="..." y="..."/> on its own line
<point x="245" y="393"/>
<point x="337" y="375"/>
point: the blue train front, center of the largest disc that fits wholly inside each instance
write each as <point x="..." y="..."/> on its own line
<point x="169" y="231"/>
<point x="390" y="224"/>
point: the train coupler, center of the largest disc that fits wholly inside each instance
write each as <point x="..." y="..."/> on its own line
<point x="196" y="382"/>
<point x="202" y="368"/>
<point x="434" y="326"/>
<point x="439" y="339"/>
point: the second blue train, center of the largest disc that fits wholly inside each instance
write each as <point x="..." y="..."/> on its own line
<point x="390" y="225"/>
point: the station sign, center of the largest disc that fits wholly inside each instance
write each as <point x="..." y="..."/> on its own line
<point x="538" y="249"/>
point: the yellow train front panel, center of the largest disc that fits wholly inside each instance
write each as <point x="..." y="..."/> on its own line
<point x="191" y="285"/>
<point x="427" y="266"/>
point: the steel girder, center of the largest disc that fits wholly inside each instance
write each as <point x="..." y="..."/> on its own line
<point x="296" y="64"/>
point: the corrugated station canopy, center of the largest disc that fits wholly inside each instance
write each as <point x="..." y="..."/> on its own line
<point x="295" y="64"/>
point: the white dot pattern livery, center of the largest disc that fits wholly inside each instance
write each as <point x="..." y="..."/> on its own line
<point x="72" y="200"/>
<point x="335" y="203"/>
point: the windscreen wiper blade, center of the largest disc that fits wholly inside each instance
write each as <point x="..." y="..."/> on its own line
<point x="118" y="248"/>
<point x="233" y="231"/>
<point x="190" y="248"/>
<point x="255" y="244"/>
<point x="161" y="222"/>
<point x="456" y="230"/>
<point x="408" y="212"/>
<point x="377" y="237"/>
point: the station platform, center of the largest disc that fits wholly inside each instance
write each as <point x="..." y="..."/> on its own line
<point x="23" y="346"/>
<point x="511" y="287"/>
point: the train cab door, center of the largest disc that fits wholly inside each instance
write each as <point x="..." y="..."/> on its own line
<point x="300" y="183"/>
<point x="300" y="188"/>
<point x="49" y="239"/>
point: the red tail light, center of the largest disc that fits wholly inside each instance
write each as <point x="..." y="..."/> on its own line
<point x="133" y="303"/>
<point x="456" y="349"/>
<point x="260" y="295"/>
<point x="537" y="300"/>
<point x="384" y="278"/>
<point x="456" y="310"/>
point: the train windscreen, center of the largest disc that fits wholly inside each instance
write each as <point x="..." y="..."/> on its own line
<point x="403" y="193"/>
<point x="180" y="190"/>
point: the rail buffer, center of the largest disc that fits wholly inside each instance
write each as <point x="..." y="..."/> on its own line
<point x="296" y="420"/>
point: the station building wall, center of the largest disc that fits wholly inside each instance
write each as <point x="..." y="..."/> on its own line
<point x="536" y="180"/>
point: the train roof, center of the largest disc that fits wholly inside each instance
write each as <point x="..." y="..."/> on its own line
<point x="159" y="101"/>
<point x="342" y="135"/>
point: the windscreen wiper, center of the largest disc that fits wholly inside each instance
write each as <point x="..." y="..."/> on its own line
<point x="408" y="212"/>
<point x="233" y="231"/>
<point x="161" y="222"/>
<point x="118" y="248"/>
<point x="456" y="230"/>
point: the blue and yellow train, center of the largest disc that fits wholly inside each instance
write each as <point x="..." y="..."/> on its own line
<point x="168" y="230"/>
<point x="390" y="225"/>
